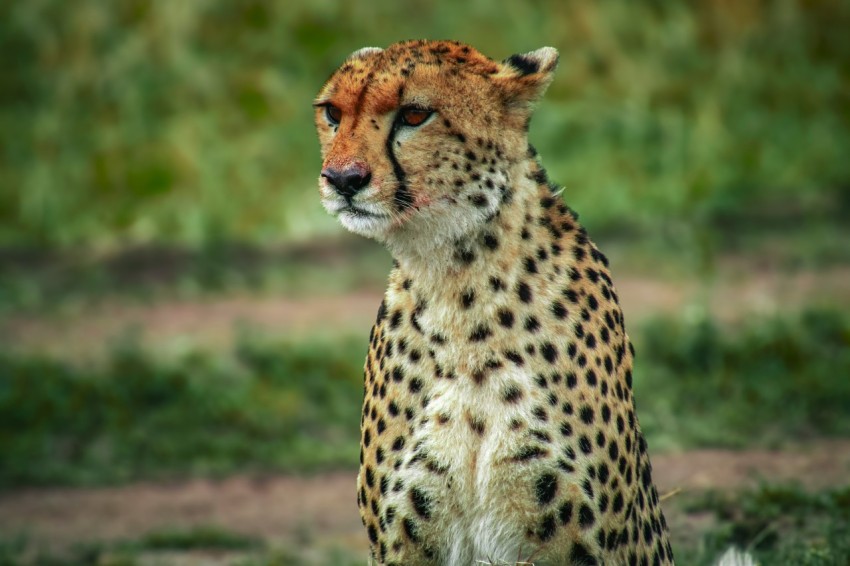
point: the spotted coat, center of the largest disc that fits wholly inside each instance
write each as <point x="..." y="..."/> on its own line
<point x="498" y="420"/>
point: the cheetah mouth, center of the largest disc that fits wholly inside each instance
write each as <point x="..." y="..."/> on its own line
<point x="360" y="213"/>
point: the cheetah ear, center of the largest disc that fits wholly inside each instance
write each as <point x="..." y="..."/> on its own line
<point x="524" y="77"/>
<point x="364" y="52"/>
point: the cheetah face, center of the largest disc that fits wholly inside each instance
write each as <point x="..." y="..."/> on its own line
<point x="418" y="140"/>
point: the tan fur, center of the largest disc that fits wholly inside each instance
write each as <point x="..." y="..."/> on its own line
<point x="498" y="420"/>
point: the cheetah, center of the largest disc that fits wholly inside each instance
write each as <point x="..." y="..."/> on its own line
<point x="498" y="421"/>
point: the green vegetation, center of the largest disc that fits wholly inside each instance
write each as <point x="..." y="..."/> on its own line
<point x="271" y="406"/>
<point x="55" y="281"/>
<point x="143" y="121"/>
<point x="173" y="547"/>
<point x="199" y="538"/>
<point x="777" y="524"/>
<point x="700" y="384"/>
<point x="288" y="407"/>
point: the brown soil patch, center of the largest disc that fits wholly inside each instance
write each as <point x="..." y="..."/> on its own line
<point x="215" y="323"/>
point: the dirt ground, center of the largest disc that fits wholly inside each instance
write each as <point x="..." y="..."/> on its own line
<point x="213" y="324"/>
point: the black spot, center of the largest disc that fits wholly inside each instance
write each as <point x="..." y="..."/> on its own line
<point x="398" y="443"/>
<point x="571" y="295"/>
<point x="437" y="338"/>
<point x="491" y="242"/>
<point x="395" y="320"/>
<point x="566" y="429"/>
<point x="420" y="502"/>
<point x="580" y="555"/>
<point x="603" y="473"/>
<point x="415" y="385"/>
<point x="515" y="357"/>
<point x="558" y="309"/>
<point x="480" y="333"/>
<point x="541" y="435"/>
<point x="531" y="323"/>
<point x="464" y="256"/>
<point x="467" y="298"/>
<point x="373" y="534"/>
<point x="512" y="394"/>
<point x="398" y="374"/>
<point x="613" y="450"/>
<point x="545" y="488"/>
<point x="585" y="445"/>
<point x="530" y="265"/>
<point x="586" y="414"/>
<point x="585" y="516"/>
<point x="549" y="351"/>
<point x="529" y="452"/>
<point x="506" y="318"/>
<point x="547" y="528"/>
<point x="524" y="292"/>
<point x="496" y="284"/>
<point x="410" y="530"/>
<point x="479" y="200"/>
<point x="476" y="424"/>
<point x="565" y="512"/>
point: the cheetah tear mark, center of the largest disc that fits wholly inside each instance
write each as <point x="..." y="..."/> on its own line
<point x="403" y="199"/>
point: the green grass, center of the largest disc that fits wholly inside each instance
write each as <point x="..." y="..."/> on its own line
<point x="183" y="122"/>
<point x="173" y="547"/>
<point x="39" y="281"/>
<point x="779" y="525"/>
<point x="772" y="380"/>
<point x="295" y="407"/>
<point x="198" y="538"/>
<point x="269" y="406"/>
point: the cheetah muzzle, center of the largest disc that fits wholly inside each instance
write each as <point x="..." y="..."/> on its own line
<point x="498" y="420"/>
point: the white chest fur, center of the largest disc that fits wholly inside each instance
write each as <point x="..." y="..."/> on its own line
<point x="469" y="429"/>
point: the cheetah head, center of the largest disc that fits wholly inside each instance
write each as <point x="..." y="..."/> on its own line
<point x="419" y="140"/>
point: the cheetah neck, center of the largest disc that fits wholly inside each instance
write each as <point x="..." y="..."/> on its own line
<point x="490" y="251"/>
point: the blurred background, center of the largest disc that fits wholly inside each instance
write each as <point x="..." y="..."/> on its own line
<point x="182" y="327"/>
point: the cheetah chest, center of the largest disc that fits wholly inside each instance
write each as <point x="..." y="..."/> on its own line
<point x="471" y="439"/>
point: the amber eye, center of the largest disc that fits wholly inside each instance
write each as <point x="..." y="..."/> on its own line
<point x="333" y="114"/>
<point x="414" y="116"/>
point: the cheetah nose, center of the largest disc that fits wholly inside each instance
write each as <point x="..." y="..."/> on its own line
<point x="349" y="181"/>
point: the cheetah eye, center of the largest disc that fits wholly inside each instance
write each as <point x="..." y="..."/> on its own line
<point x="333" y="114"/>
<point x="414" y="116"/>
